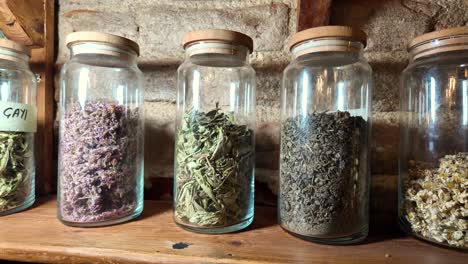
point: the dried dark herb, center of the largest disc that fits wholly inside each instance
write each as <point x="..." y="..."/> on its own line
<point x="99" y="163"/>
<point x="323" y="182"/>
<point x="214" y="170"/>
<point x="15" y="169"/>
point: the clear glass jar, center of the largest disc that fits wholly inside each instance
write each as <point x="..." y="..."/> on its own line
<point x="18" y="124"/>
<point x="433" y="165"/>
<point x="100" y="170"/>
<point x="324" y="152"/>
<point x="214" y="146"/>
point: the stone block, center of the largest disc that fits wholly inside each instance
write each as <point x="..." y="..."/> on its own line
<point x="160" y="83"/>
<point x="159" y="139"/>
<point x="389" y="25"/>
<point x="384" y="194"/>
<point x="453" y="13"/>
<point x="162" y="27"/>
<point x="111" y="21"/>
<point x="385" y="143"/>
<point x="387" y="68"/>
<point x="443" y="13"/>
<point x="159" y="26"/>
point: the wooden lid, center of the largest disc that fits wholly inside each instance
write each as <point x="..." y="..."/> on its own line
<point x="447" y="40"/>
<point x="14" y="46"/>
<point x="445" y="33"/>
<point x="113" y="40"/>
<point x="221" y="35"/>
<point x="337" y="32"/>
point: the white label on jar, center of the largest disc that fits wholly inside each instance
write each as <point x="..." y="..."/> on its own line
<point x="18" y="117"/>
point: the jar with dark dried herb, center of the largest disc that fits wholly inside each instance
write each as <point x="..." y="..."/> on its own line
<point x="214" y="159"/>
<point x="324" y="157"/>
<point x="17" y="127"/>
<point x="100" y="169"/>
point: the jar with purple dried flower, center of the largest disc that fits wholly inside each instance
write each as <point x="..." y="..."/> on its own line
<point x="17" y="127"/>
<point x="100" y="169"/>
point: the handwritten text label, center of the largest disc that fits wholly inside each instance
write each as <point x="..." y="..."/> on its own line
<point x="18" y="117"/>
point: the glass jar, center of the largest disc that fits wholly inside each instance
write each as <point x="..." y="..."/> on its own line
<point x="433" y="165"/>
<point x="100" y="170"/>
<point x="18" y="124"/>
<point x="325" y="122"/>
<point x="214" y="146"/>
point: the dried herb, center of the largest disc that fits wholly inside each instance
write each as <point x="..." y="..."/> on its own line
<point x="437" y="199"/>
<point x="15" y="169"/>
<point x="99" y="163"/>
<point x="323" y="174"/>
<point x="214" y="169"/>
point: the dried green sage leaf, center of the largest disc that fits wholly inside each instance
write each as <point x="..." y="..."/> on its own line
<point x="15" y="169"/>
<point x="214" y="169"/>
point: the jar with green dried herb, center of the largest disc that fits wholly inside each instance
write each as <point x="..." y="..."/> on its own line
<point x="324" y="153"/>
<point x="214" y="146"/>
<point x="100" y="168"/>
<point x="17" y="128"/>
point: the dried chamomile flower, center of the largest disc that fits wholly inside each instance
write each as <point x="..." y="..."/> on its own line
<point x="437" y="200"/>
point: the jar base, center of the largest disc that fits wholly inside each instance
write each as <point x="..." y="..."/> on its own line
<point x="28" y="203"/>
<point x="218" y="230"/>
<point x="344" y="240"/>
<point x="127" y="218"/>
<point x="404" y="226"/>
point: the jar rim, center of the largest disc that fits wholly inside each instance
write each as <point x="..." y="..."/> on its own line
<point x="218" y="35"/>
<point x="104" y="38"/>
<point x="326" y="45"/>
<point x="328" y="32"/>
<point x="15" y="47"/>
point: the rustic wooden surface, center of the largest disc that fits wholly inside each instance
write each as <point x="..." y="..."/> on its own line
<point x="37" y="236"/>
<point x="313" y="13"/>
<point x="23" y="21"/>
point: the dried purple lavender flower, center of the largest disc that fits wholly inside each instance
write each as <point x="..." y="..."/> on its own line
<point x="99" y="164"/>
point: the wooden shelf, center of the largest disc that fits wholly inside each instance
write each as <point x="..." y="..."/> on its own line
<point x="37" y="236"/>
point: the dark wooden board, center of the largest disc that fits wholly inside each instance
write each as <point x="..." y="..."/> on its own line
<point x="313" y="13"/>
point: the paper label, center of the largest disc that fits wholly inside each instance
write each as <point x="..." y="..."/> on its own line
<point x="18" y="117"/>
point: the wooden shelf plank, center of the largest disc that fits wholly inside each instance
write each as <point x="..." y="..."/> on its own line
<point x="37" y="236"/>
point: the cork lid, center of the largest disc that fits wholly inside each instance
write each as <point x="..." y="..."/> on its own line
<point x="328" y="32"/>
<point x="220" y="35"/>
<point x="113" y="40"/>
<point x="14" y="46"/>
<point x="451" y="39"/>
<point x="445" y="33"/>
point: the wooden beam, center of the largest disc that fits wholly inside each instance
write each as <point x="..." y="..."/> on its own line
<point x="42" y="62"/>
<point x="313" y="13"/>
<point x="23" y="21"/>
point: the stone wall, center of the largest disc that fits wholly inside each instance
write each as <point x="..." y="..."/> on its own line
<point x="159" y="25"/>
